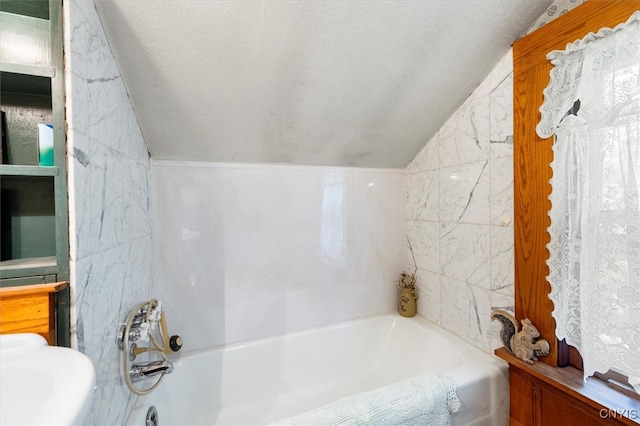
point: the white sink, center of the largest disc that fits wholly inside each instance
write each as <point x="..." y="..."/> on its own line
<point x="43" y="385"/>
<point x="16" y="344"/>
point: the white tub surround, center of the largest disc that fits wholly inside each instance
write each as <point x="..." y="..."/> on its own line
<point x="265" y="380"/>
<point x="251" y="251"/>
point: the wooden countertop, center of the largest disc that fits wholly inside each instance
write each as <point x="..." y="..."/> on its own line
<point x="594" y="392"/>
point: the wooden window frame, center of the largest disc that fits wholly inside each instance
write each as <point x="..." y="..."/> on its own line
<point x="532" y="157"/>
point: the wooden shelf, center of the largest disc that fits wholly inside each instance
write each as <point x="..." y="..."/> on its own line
<point x="26" y="267"/>
<point x="19" y="170"/>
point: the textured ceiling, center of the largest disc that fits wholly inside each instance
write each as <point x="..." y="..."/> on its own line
<point x="342" y="83"/>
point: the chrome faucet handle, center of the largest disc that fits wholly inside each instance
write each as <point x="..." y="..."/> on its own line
<point x="140" y="371"/>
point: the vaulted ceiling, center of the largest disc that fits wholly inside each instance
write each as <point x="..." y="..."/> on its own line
<point x="341" y="83"/>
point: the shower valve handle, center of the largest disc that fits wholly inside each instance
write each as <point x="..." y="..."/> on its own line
<point x="175" y="343"/>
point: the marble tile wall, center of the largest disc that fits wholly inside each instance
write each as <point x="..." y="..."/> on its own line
<point x="460" y="208"/>
<point x="109" y="187"/>
<point x="460" y="213"/>
<point x="252" y="250"/>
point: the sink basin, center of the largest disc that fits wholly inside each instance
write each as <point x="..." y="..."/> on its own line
<point x="42" y="384"/>
<point x="16" y="344"/>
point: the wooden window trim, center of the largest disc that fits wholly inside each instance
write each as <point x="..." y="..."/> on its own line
<point x="532" y="157"/>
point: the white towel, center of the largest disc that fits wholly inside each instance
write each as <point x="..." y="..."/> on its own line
<point x="428" y="399"/>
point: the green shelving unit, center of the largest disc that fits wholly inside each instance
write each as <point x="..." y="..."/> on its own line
<point x="34" y="243"/>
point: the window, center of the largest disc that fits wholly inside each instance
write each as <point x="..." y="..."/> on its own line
<point x="594" y="263"/>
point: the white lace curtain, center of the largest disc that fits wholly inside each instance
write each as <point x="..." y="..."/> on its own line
<point x="594" y="263"/>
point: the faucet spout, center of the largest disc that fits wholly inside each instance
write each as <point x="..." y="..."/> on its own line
<point x="151" y="369"/>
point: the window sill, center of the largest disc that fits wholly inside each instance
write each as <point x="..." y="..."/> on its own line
<point x="596" y="393"/>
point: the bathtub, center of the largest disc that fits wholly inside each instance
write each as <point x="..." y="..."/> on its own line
<point x="261" y="381"/>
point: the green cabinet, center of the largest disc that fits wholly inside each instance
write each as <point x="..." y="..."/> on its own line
<point x="34" y="242"/>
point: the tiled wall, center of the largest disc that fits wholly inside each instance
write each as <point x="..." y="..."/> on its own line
<point x="248" y="251"/>
<point x="265" y="245"/>
<point x="110" y="226"/>
<point x="460" y="209"/>
<point x="460" y="213"/>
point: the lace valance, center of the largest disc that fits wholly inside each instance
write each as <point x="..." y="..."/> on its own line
<point x="572" y="66"/>
<point x="594" y="247"/>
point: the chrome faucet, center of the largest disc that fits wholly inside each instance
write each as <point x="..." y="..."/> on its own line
<point x="142" y="370"/>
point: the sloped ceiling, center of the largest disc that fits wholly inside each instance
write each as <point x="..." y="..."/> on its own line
<point x="341" y="83"/>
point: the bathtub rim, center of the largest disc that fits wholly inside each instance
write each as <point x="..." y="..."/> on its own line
<point x="478" y="368"/>
<point x="430" y="325"/>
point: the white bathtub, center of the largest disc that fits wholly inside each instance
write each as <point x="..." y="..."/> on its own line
<point x="264" y="380"/>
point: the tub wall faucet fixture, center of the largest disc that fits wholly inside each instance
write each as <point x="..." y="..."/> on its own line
<point x="170" y="345"/>
<point x="142" y="330"/>
<point x="146" y="332"/>
<point x="139" y="371"/>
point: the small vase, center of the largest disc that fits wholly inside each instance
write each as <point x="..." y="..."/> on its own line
<point x="407" y="303"/>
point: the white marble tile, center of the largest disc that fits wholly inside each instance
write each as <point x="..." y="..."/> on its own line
<point x="99" y="106"/>
<point x="109" y="174"/>
<point x="473" y="193"/>
<point x="501" y="108"/>
<point x="424" y="242"/>
<point x="422" y="195"/>
<point x="427" y="158"/>
<point x="254" y="251"/>
<point x="108" y="285"/>
<point x="428" y="284"/>
<point x="502" y="260"/>
<point x="504" y="302"/>
<point x="138" y="276"/>
<point x="464" y="138"/>
<point x="466" y="311"/>
<point x="502" y="69"/>
<point x="410" y="262"/>
<point x="464" y="193"/>
<point x="136" y="194"/>
<point x="112" y="202"/>
<point x="120" y="131"/>
<point x="103" y="288"/>
<point x="88" y="59"/>
<point x="84" y="43"/>
<point x="501" y="193"/>
<point x="464" y="253"/>
<point x="475" y="181"/>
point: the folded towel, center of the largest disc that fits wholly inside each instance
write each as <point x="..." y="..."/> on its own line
<point x="428" y="399"/>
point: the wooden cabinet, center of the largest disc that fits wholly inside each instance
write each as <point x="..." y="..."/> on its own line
<point x="34" y="244"/>
<point x="542" y="395"/>
<point x="41" y="309"/>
